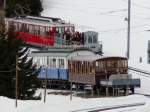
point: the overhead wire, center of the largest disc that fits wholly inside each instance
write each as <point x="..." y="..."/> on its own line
<point x="121" y="29"/>
<point x="138" y="5"/>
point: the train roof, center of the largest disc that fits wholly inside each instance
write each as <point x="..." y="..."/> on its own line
<point x="57" y="52"/>
<point x="42" y="21"/>
<point x="94" y="58"/>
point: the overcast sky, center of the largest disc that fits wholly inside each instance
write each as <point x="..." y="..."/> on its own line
<point x="107" y="17"/>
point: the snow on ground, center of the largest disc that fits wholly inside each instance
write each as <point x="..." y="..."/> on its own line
<point x="59" y="103"/>
<point x="145" y="79"/>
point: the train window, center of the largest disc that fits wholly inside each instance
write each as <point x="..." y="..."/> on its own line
<point x="61" y="63"/>
<point x="85" y="39"/>
<point x="111" y="64"/>
<point x="122" y="63"/>
<point x="97" y="64"/>
<point x="52" y="62"/>
<point x="42" y="31"/>
<point x="15" y="27"/>
<point x="86" y="67"/>
<point x="95" y="39"/>
<point x="43" y="61"/>
<point x="72" y="29"/>
<point x="38" y="63"/>
<point x="101" y="64"/>
<point x="79" y="67"/>
<point x="89" y="39"/>
<point x="126" y="63"/>
<point x="31" y="29"/>
<point x="91" y="65"/>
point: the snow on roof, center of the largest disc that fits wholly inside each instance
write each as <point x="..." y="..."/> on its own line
<point x="40" y="21"/>
<point x="57" y="52"/>
<point x="92" y="57"/>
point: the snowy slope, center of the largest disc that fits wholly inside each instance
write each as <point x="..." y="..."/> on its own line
<point x="107" y="17"/>
<point x="59" y="103"/>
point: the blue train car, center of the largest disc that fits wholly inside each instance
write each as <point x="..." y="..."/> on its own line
<point x="63" y="74"/>
<point x="53" y="73"/>
<point x="42" y="73"/>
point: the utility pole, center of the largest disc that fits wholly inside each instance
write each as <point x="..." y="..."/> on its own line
<point x="71" y="79"/>
<point x="16" y="86"/>
<point x="128" y="32"/>
<point x="46" y="81"/>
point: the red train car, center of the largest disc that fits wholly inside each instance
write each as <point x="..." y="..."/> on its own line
<point x="39" y="30"/>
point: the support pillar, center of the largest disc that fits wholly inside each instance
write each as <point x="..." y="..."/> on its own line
<point x="92" y="91"/>
<point x="107" y="91"/>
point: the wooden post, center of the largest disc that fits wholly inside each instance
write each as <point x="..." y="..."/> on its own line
<point x="113" y="90"/>
<point x="98" y="91"/>
<point x="45" y="87"/>
<point x="46" y="81"/>
<point x="76" y="89"/>
<point x="71" y="91"/>
<point x="107" y="91"/>
<point x="16" y="85"/>
<point x="92" y="91"/>
<point x="71" y="75"/>
<point x="84" y="91"/>
<point x="127" y="87"/>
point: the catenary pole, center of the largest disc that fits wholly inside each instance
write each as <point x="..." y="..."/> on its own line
<point x="16" y="85"/>
<point x="46" y="81"/>
<point x="128" y="30"/>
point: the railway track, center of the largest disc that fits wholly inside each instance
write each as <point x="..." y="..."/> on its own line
<point x="99" y="109"/>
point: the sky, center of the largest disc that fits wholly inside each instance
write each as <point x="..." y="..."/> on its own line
<point x="107" y="17"/>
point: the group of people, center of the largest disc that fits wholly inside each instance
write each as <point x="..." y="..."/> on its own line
<point x="75" y="38"/>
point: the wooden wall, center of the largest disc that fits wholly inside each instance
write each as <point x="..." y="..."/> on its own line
<point x="82" y="72"/>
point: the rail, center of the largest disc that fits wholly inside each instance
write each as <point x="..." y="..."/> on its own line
<point x="98" y="109"/>
<point x="139" y="70"/>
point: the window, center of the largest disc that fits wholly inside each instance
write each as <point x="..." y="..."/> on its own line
<point x="101" y="64"/>
<point x="52" y="62"/>
<point x="61" y="63"/>
<point x="95" y="39"/>
<point x="112" y="63"/>
<point x="37" y="62"/>
<point x="89" y="39"/>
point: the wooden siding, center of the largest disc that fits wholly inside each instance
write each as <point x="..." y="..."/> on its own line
<point x="82" y="72"/>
